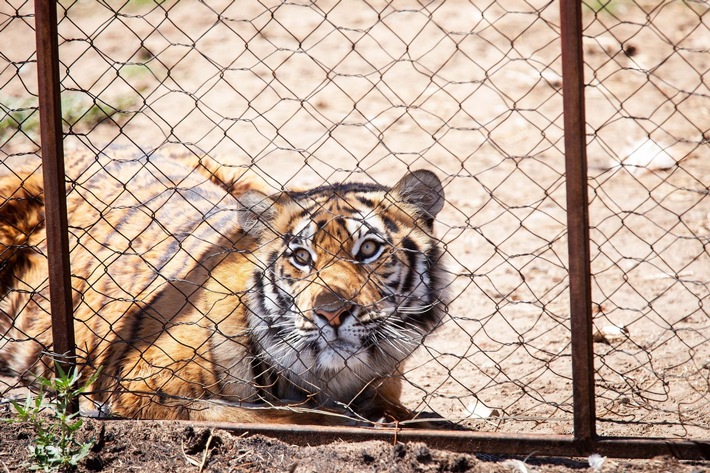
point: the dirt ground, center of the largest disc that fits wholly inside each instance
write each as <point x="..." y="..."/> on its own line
<point x="306" y="94"/>
<point x="123" y="446"/>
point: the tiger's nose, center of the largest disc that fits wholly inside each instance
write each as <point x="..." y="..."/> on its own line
<point x="334" y="317"/>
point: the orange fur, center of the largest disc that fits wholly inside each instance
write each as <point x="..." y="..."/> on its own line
<point x="21" y="217"/>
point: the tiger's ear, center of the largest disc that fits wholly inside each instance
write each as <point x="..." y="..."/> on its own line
<point x="257" y="212"/>
<point x="422" y="189"/>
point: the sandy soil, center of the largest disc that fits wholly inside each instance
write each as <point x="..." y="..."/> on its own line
<point x="305" y="94"/>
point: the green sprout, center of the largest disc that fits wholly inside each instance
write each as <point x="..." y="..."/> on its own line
<point x="55" y="445"/>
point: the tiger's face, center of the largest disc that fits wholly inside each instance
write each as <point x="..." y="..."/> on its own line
<point x="351" y="280"/>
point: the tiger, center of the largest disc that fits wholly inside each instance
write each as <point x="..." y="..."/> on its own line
<point x="201" y="294"/>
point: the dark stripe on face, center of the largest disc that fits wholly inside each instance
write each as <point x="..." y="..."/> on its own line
<point x="433" y="259"/>
<point x="349" y="211"/>
<point x="272" y="258"/>
<point x="263" y="313"/>
<point x="390" y="224"/>
<point x="259" y="291"/>
<point x="383" y="294"/>
<point x="306" y="211"/>
<point x="281" y="299"/>
<point x="428" y="319"/>
<point x="412" y="252"/>
<point x="365" y="201"/>
<point x="329" y="191"/>
<point x="320" y="224"/>
<point x="390" y="263"/>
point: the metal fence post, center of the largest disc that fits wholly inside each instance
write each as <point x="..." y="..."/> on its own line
<point x="54" y="184"/>
<point x="578" y="220"/>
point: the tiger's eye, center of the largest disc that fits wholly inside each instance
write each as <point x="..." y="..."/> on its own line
<point x="369" y="248"/>
<point x="302" y="257"/>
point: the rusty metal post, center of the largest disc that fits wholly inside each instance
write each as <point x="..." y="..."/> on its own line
<point x="578" y="221"/>
<point x="50" y="116"/>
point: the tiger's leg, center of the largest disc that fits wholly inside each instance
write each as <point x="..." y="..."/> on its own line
<point x="381" y="404"/>
<point x="172" y="393"/>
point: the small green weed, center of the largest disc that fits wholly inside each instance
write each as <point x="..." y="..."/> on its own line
<point x="55" y="446"/>
<point x="19" y="115"/>
<point x="80" y="112"/>
<point x="607" y="6"/>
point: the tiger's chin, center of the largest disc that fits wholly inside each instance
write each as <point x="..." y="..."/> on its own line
<point x="338" y="355"/>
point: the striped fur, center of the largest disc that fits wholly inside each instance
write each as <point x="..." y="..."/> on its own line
<point x="202" y="298"/>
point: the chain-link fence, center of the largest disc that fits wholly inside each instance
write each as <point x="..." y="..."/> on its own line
<point x="306" y="94"/>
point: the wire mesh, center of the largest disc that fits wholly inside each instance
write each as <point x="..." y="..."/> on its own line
<point x="647" y="69"/>
<point x="310" y="93"/>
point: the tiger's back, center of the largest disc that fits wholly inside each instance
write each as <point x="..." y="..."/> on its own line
<point x="194" y="300"/>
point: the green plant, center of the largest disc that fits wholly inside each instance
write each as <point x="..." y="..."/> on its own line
<point x="55" y="445"/>
<point x="80" y="112"/>
<point x="19" y="115"/>
<point x="604" y="6"/>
